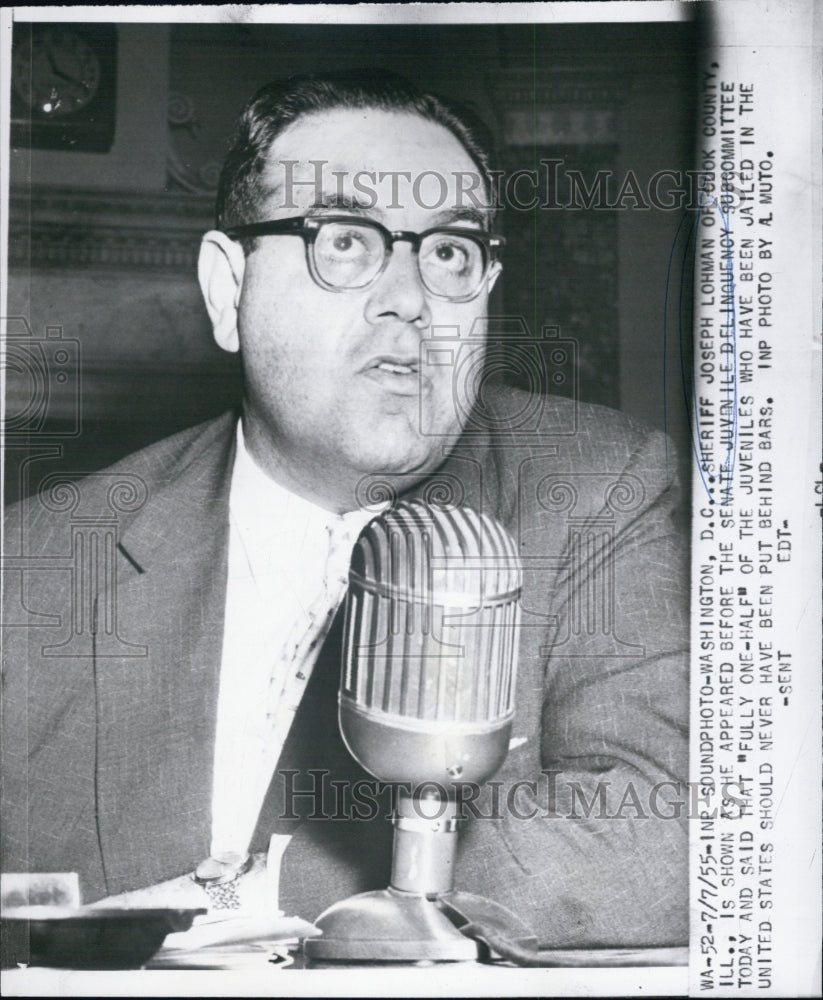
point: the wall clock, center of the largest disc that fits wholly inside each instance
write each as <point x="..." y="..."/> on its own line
<point x="63" y="82"/>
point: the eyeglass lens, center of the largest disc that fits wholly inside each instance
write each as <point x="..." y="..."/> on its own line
<point x="350" y="255"/>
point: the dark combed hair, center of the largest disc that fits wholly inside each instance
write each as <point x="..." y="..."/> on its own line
<point x="282" y="102"/>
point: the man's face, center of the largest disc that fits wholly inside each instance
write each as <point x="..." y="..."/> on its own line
<point x="334" y="386"/>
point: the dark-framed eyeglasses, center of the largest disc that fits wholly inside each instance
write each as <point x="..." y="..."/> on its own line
<point x="346" y="253"/>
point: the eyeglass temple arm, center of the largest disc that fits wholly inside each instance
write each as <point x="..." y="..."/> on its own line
<point x="271" y="227"/>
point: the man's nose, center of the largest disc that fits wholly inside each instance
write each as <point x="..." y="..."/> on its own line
<point x="399" y="292"/>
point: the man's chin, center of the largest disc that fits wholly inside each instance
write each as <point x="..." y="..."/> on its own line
<point x="403" y="465"/>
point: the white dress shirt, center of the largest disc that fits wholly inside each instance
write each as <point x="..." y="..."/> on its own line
<point x="287" y="574"/>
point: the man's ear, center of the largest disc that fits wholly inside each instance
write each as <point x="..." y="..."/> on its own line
<point x="220" y="270"/>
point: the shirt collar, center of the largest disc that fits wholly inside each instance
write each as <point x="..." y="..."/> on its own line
<point x="267" y="512"/>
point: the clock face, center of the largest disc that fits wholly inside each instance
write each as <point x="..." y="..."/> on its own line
<point x="56" y="76"/>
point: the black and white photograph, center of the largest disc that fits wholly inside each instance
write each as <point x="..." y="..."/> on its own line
<point x="440" y="380"/>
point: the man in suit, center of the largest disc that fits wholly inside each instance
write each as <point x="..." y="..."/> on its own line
<point x="178" y="702"/>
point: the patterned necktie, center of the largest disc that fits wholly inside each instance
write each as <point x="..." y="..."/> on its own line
<point x="299" y="653"/>
<point x="291" y="669"/>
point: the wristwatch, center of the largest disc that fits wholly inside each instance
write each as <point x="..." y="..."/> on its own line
<point x="218" y="876"/>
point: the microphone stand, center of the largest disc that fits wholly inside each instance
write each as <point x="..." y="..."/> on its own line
<point x="419" y="916"/>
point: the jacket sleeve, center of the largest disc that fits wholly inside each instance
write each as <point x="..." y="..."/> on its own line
<point x="48" y="705"/>
<point x="588" y="836"/>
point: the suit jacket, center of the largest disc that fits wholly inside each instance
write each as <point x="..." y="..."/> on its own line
<point x="115" y="591"/>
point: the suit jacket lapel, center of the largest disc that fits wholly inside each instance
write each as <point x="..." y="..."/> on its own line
<point x="156" y="711"/>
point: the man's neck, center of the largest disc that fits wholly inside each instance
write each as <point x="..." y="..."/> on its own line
<point x="323" y="488"/>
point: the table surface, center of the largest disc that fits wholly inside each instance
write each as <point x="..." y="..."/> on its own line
<point x="446" y="979"/>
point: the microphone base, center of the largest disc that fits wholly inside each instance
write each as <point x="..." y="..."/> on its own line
<point x="392" y="926"/>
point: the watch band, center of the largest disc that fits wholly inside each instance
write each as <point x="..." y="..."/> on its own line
<point x="218" y="876"/>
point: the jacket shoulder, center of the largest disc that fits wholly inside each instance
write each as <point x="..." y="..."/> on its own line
<point x="584" y="432"/>
<point x="122" y="487"/>
<point x="167" y="458"/>
<point x="544" y="448"/>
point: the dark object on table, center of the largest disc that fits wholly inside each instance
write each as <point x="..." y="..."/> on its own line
<point x="88" y="938"/>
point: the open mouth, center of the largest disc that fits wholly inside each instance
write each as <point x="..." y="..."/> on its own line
<point x="397" y="374"/>
<point x="396" y="368"/>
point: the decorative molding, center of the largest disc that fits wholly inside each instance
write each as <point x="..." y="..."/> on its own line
<point x="187" y="165"/>
<point x="69" y="228"/>
<point x="566" y="126"/>
<point x="572" y="106"/>
<point x="597" y="81"/>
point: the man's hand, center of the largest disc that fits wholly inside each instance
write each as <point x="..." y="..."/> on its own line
<point x="254" y="890"/>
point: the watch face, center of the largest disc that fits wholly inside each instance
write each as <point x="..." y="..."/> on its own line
<point x="56" y="76"/>
<point x="223" y="868"/>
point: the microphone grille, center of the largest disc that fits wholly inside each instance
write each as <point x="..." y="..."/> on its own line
<point x="432" y="614"/>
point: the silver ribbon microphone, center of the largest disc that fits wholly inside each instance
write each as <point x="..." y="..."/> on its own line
<point x="427" y="702"/>
<point x="430" y="645"/>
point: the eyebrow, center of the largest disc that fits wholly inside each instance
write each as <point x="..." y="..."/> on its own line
<point x="451" y="215"/>
<point x="335" y="200"/>
<point x="346" y="202"/>
<point x="447" y="217"/>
